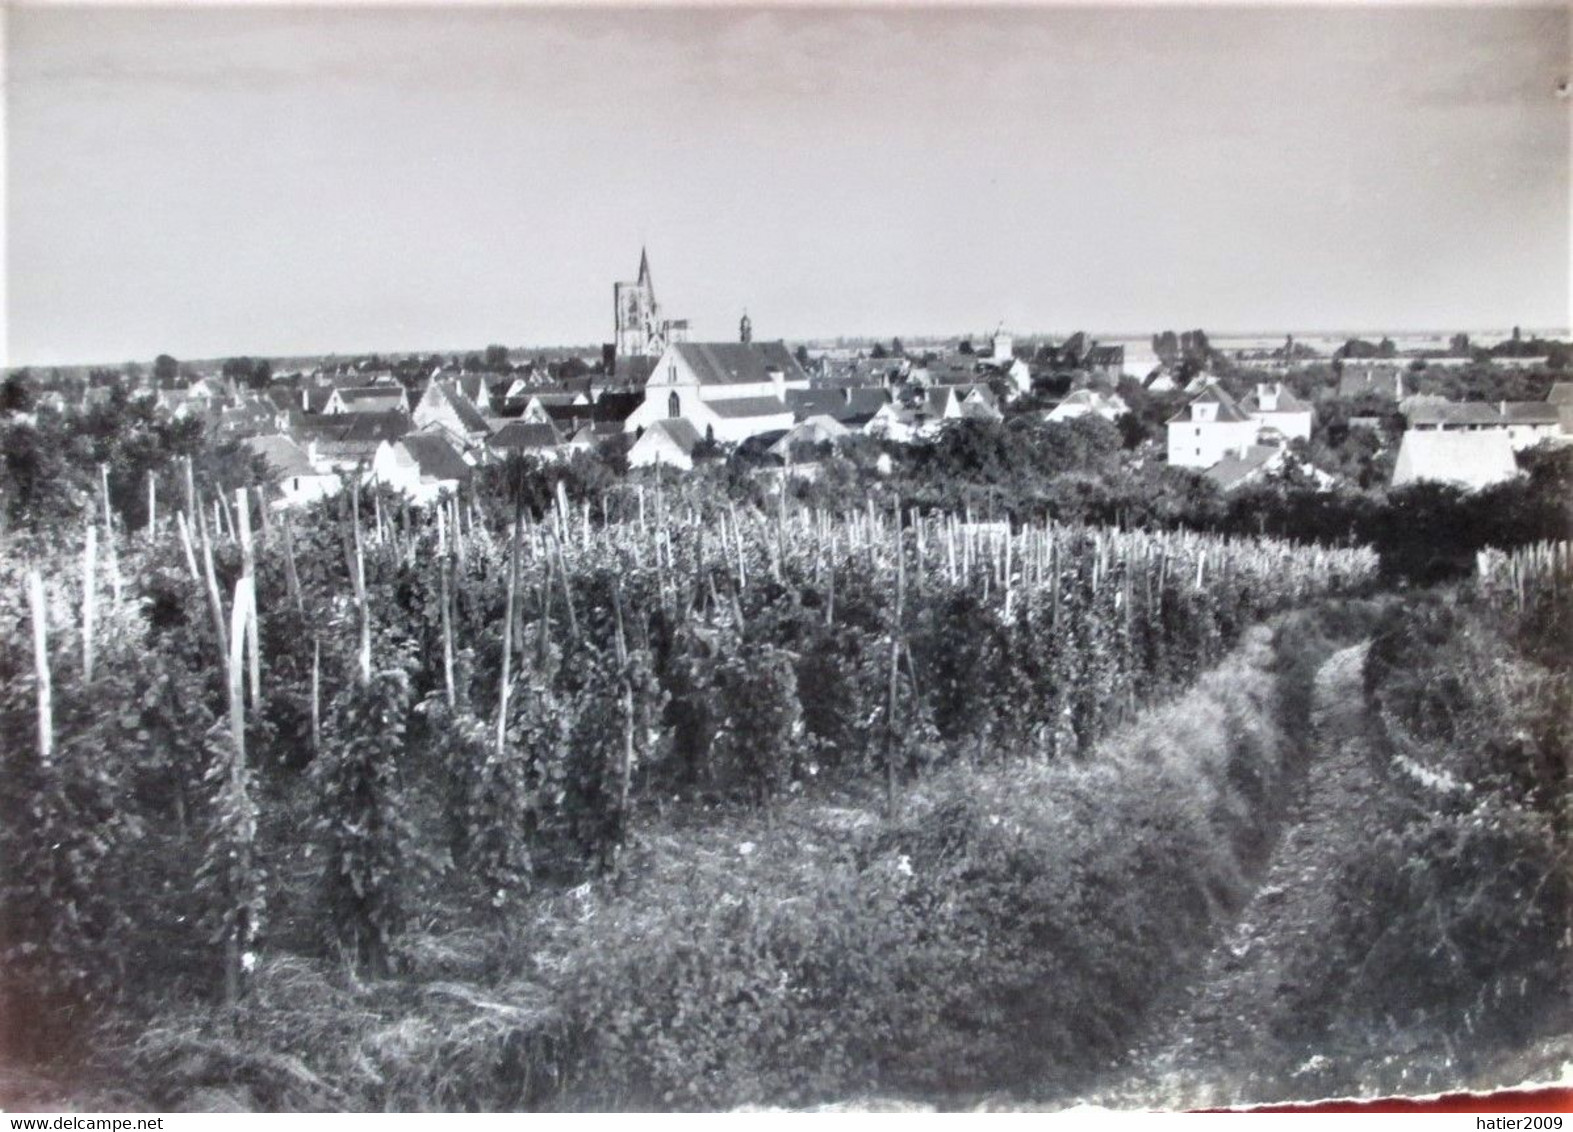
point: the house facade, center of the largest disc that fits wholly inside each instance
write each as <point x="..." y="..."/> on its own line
<point x="1211" y="426"/>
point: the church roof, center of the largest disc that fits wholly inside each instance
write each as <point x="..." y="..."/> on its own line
<point x="736" y="408"/>
<point x="739" y="363"/>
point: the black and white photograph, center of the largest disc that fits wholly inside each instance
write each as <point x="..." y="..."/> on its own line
<point x="690" y="557"/>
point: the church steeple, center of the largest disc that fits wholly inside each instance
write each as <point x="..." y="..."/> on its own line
<point x="745" y="329"/>
<point x="644" y="268"/>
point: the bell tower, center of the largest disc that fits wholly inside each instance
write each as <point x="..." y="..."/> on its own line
<point x="745" y="329"/>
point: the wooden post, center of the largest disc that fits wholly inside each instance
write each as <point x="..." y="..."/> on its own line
<point x="445" y="598"/>
<point x="291" y="576"/>
<point x="89" y="600"/>
<point x="46" y="715"/>
<point x="360" y="586"/>
<point x="185" y="545"/>
<point x="152" y="507"/>
<point x="248" y="575"/>
<point x="215" y="602"/>
<point x="507" y="632"/>
<point x="240" y="615"/>
<point x="316" y="693"/>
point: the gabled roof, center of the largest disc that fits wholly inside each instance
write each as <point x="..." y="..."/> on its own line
<point x="284" y="457"/>
<point x="679" y="430"/>
<point x="635" y="370"/>
<point x="1228" y="408"/>
<point x="372" y="394"/>
<point x="1531" y="412"/>
<point x="1104" y="356"/>
<point x="1234" y="470"/>
<point x="739" y="363"/>
<point x="1287" y="401"/>
<point x="737" y="408"/>
<point x="435" y="457"/>
<point x="470" y="418"/>
<point x="1561" y="393"/>
<point x="526" y="435"/>
<point x="1454" y="413"/>
<point x="472" y="386"/>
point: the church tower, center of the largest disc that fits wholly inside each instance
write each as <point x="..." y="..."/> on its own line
<point x="637" y="315"/>
<point x="745" y="329"/>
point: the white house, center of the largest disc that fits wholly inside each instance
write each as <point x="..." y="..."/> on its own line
<point x="666" y="443"/>
<point x="1209" y="427"/>
<point x="291" y="471"/>
<point x="1274" y="406"/>
<point x="729" y="391"/>
<point x="421" y="465"/>
<point x="1469" y="459"/>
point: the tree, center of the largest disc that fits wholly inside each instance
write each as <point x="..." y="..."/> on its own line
<point x="497" y="358"/>
<point x="165" y="369"/>
<point x="16" y="395"/>
<point x="897" y="350"/>
<point x="802" y="356"/>
<point x="879" y="351"/>
<point x="965" y="347"/>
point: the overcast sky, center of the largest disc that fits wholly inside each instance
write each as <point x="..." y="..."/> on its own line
<point x="222" y="181"/>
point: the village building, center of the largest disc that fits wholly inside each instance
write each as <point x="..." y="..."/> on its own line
<point x="1466" y="458"/>
<point x="1361" y="378"/>
<point x="729" y="391"/>
<point x="1211" y="426"/>
<point x="291" y="471"/>
<point x="1273" y="406"/>
<point x="366" y="399"/>
<point x="851" y="406"/>
<point x="421" y="466"/>
<point x="1529" y="423"/>
<point x="445" y="409"/>
<point x="526" y="438"/>
<point x="668" y="442"/>
<point x="1105" y="361"/>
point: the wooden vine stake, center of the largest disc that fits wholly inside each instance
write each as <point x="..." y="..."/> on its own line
<point x="248" y="576"/>
<point x="240" y="614"/>
<point x="444" y="599"/>
<point x="46" y="714"/>
<point x="507" y="631"/>
<point x="360" y="586"/>
<point x="89" y="600"/>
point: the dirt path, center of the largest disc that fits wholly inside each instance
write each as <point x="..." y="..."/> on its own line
<point x="1214" y="1047"/>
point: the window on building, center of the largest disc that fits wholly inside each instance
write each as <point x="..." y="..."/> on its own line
<point x="673" y="407"/>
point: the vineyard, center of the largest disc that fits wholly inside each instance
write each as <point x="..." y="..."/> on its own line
<point x="447" y="704"/>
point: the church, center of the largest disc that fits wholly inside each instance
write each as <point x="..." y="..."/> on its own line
<point x="728" y="391"/>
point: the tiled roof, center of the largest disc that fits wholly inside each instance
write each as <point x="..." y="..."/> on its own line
<point x="739" y="363"/>
<point x="1561" y="393"/>
<point x="435" y="457"/>
<point x="368" y="394"/>
<point x="1454" y="413"/>
<point x="680" y="430"/>
<point x="1228" y="408"/>
<point x="1234" y="470"/>
<point x="1105" y="356"/>
<point x="736" y="408"/>
<point x="464" y="408"/>
<point x="1531" y="412"/>
<point x="526" y="435"/>
<point x="284" y="457"/>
